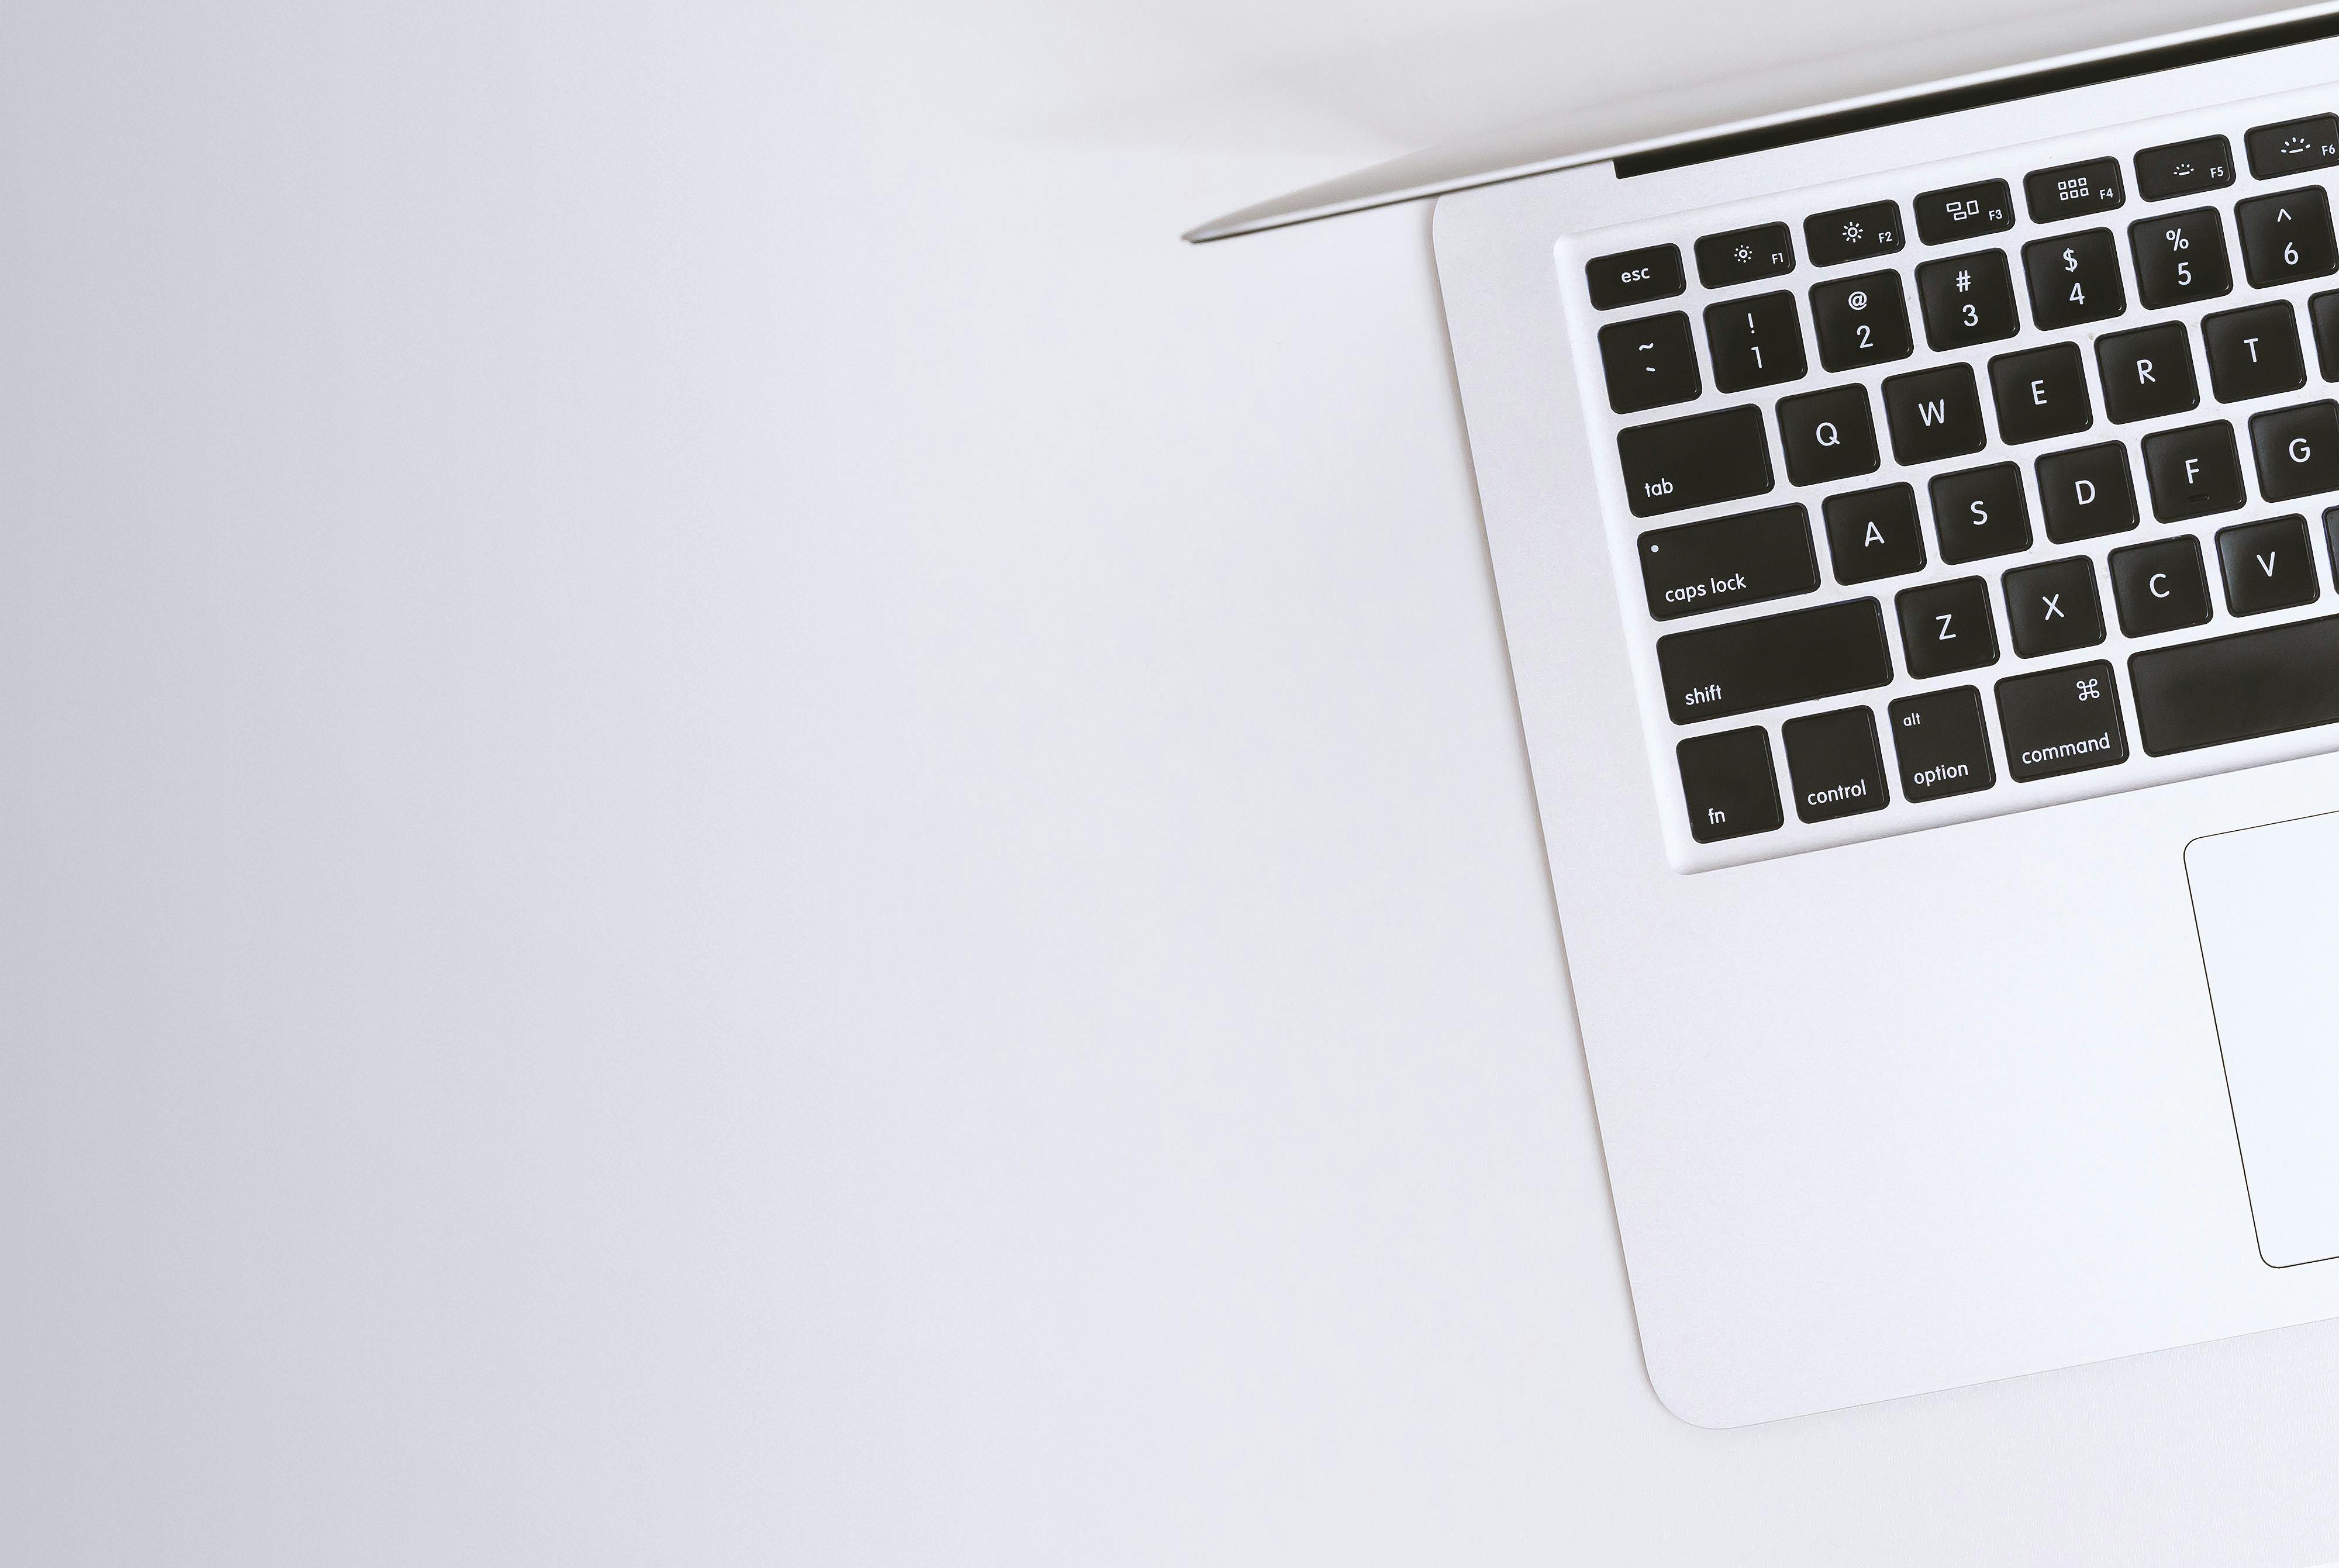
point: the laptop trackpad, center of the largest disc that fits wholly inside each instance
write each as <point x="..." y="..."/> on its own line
<point x="2269" y="926"/>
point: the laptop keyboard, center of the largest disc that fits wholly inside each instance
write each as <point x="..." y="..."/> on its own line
<point x="2042" y="452"/>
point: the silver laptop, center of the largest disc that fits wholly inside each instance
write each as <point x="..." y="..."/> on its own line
<point x="1915" y="523"/>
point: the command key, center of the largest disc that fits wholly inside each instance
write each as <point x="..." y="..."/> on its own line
<point x="2061" y="721"/>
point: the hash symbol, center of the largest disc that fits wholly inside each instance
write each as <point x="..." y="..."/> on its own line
<point x="1965" y="279"/>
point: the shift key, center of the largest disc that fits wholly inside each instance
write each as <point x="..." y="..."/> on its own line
<point x="1769" y="661"/>
<point x="1676" y="464"/>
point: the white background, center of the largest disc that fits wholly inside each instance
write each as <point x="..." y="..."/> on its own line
<point x="738" y="829"/>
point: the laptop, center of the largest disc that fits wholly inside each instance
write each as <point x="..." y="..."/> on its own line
<point x="1915" y="524"/>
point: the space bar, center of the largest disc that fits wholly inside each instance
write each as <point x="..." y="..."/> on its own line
<point x="2237" y="688"/>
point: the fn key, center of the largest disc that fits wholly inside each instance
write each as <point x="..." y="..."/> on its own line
<point x="1728" y="785"/>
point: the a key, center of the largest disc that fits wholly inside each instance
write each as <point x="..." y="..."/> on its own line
<point x="1744" y="255"/>
<point x="2147" y="373"/>
<point x="2286" y="237"/>
<point x="2268" y="566"/>
<point x="2324" y="311"/>
<point x="2297" y="451"/>
<point x="1980" y="512"/>
<point x="1827" y="436"/>
<point x="1769" y="661"/>
<point x="2180" y="258"/>
<point x="1873" y="533"/>
<point x="2254" y="353"/>
<point x="2159" y="586"/>
<point x="2193" y="471"/>
<point x="1727" y="784"/>
<point x="2072" y="190"/>
<point x="1755" y="341"/>
<point x="1833" y="765"/>
<point x="1861" y="320"/>
<point x="2293" y="146"/>
<point x="1967" y="299"/>
<point x="1964" y="212"/>
<point x="2184" y="168"/>
<point x="2073" y="278"/>
<point x="1634" y="277"/>
<point x="1694" y="461"/>
<point x="1946" y="627"/>
<point x="1934" y="414"/>
<point x="1853" y="233"/>
<point x="2052" y="607"/>
<point x="2040" y="393"/>
<point x="2266" y="682"/>
<point x="1649" y="362"/>
<point x="1942" y="744"/>
<point x="1692" y="567"/>
<point x="2061" y="721"/>
<point x="2085" y="493"/>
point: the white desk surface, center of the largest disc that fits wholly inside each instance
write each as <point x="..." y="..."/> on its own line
<point x="1120" y="1104"/>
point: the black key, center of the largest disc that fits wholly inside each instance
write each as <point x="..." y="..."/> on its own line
<point x="2159" y="586"/>
<point x="1728" y="785"/>
<point x="2040" y="393"/>
<point x="2052" y="607"/>
<point x="2297" y="451"/>
<point x="1968" y="299"/>
<point x="2072" y="190"/>
<point x="1873" y="533"/>
<point x="2330" y="540"/>
<point x="2193" y="471"/>
<point x="2073" y="278"/>
<point x="1827" y="436"/>
<point x="1695" y="461"/>
<point x="1852" y="233"/>
<point x="1934" y="414"/>
<point x="2268" y="566"/>
<point x="1980" y="512"/>
<point x="2293" y="146"/>
<point x="1692" y="567"/>
<point x="1755" y="341"/>
<point x="2183" y="168"/>
<point x="2265" y="681"/>
<point x="2147" y="373"/>
<point x="1631" y="277"/>
<point x="2324" y="311"/>
<point x="1650" y="362"/>
<point x="1946" y="627"/>
<point x="2286" y="237"/>
<point x="2061" y="721"/>
<point x="1767" y="661"/>
<point x="1964" y="212"/>
<point x="1942" y="745"/>
<point x="2254" y="353"/>
<point x="1860" y="321"/>
<point x="1744" y="255"/>
<point x="2180" y="257"/>
<point x="2085" y="493"/>
<point x="1834" y="765"/>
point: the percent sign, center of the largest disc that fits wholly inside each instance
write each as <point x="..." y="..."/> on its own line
<point x="2179" y="241"/>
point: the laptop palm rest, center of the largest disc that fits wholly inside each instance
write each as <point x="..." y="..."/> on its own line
<point x="2269" y="933"/>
